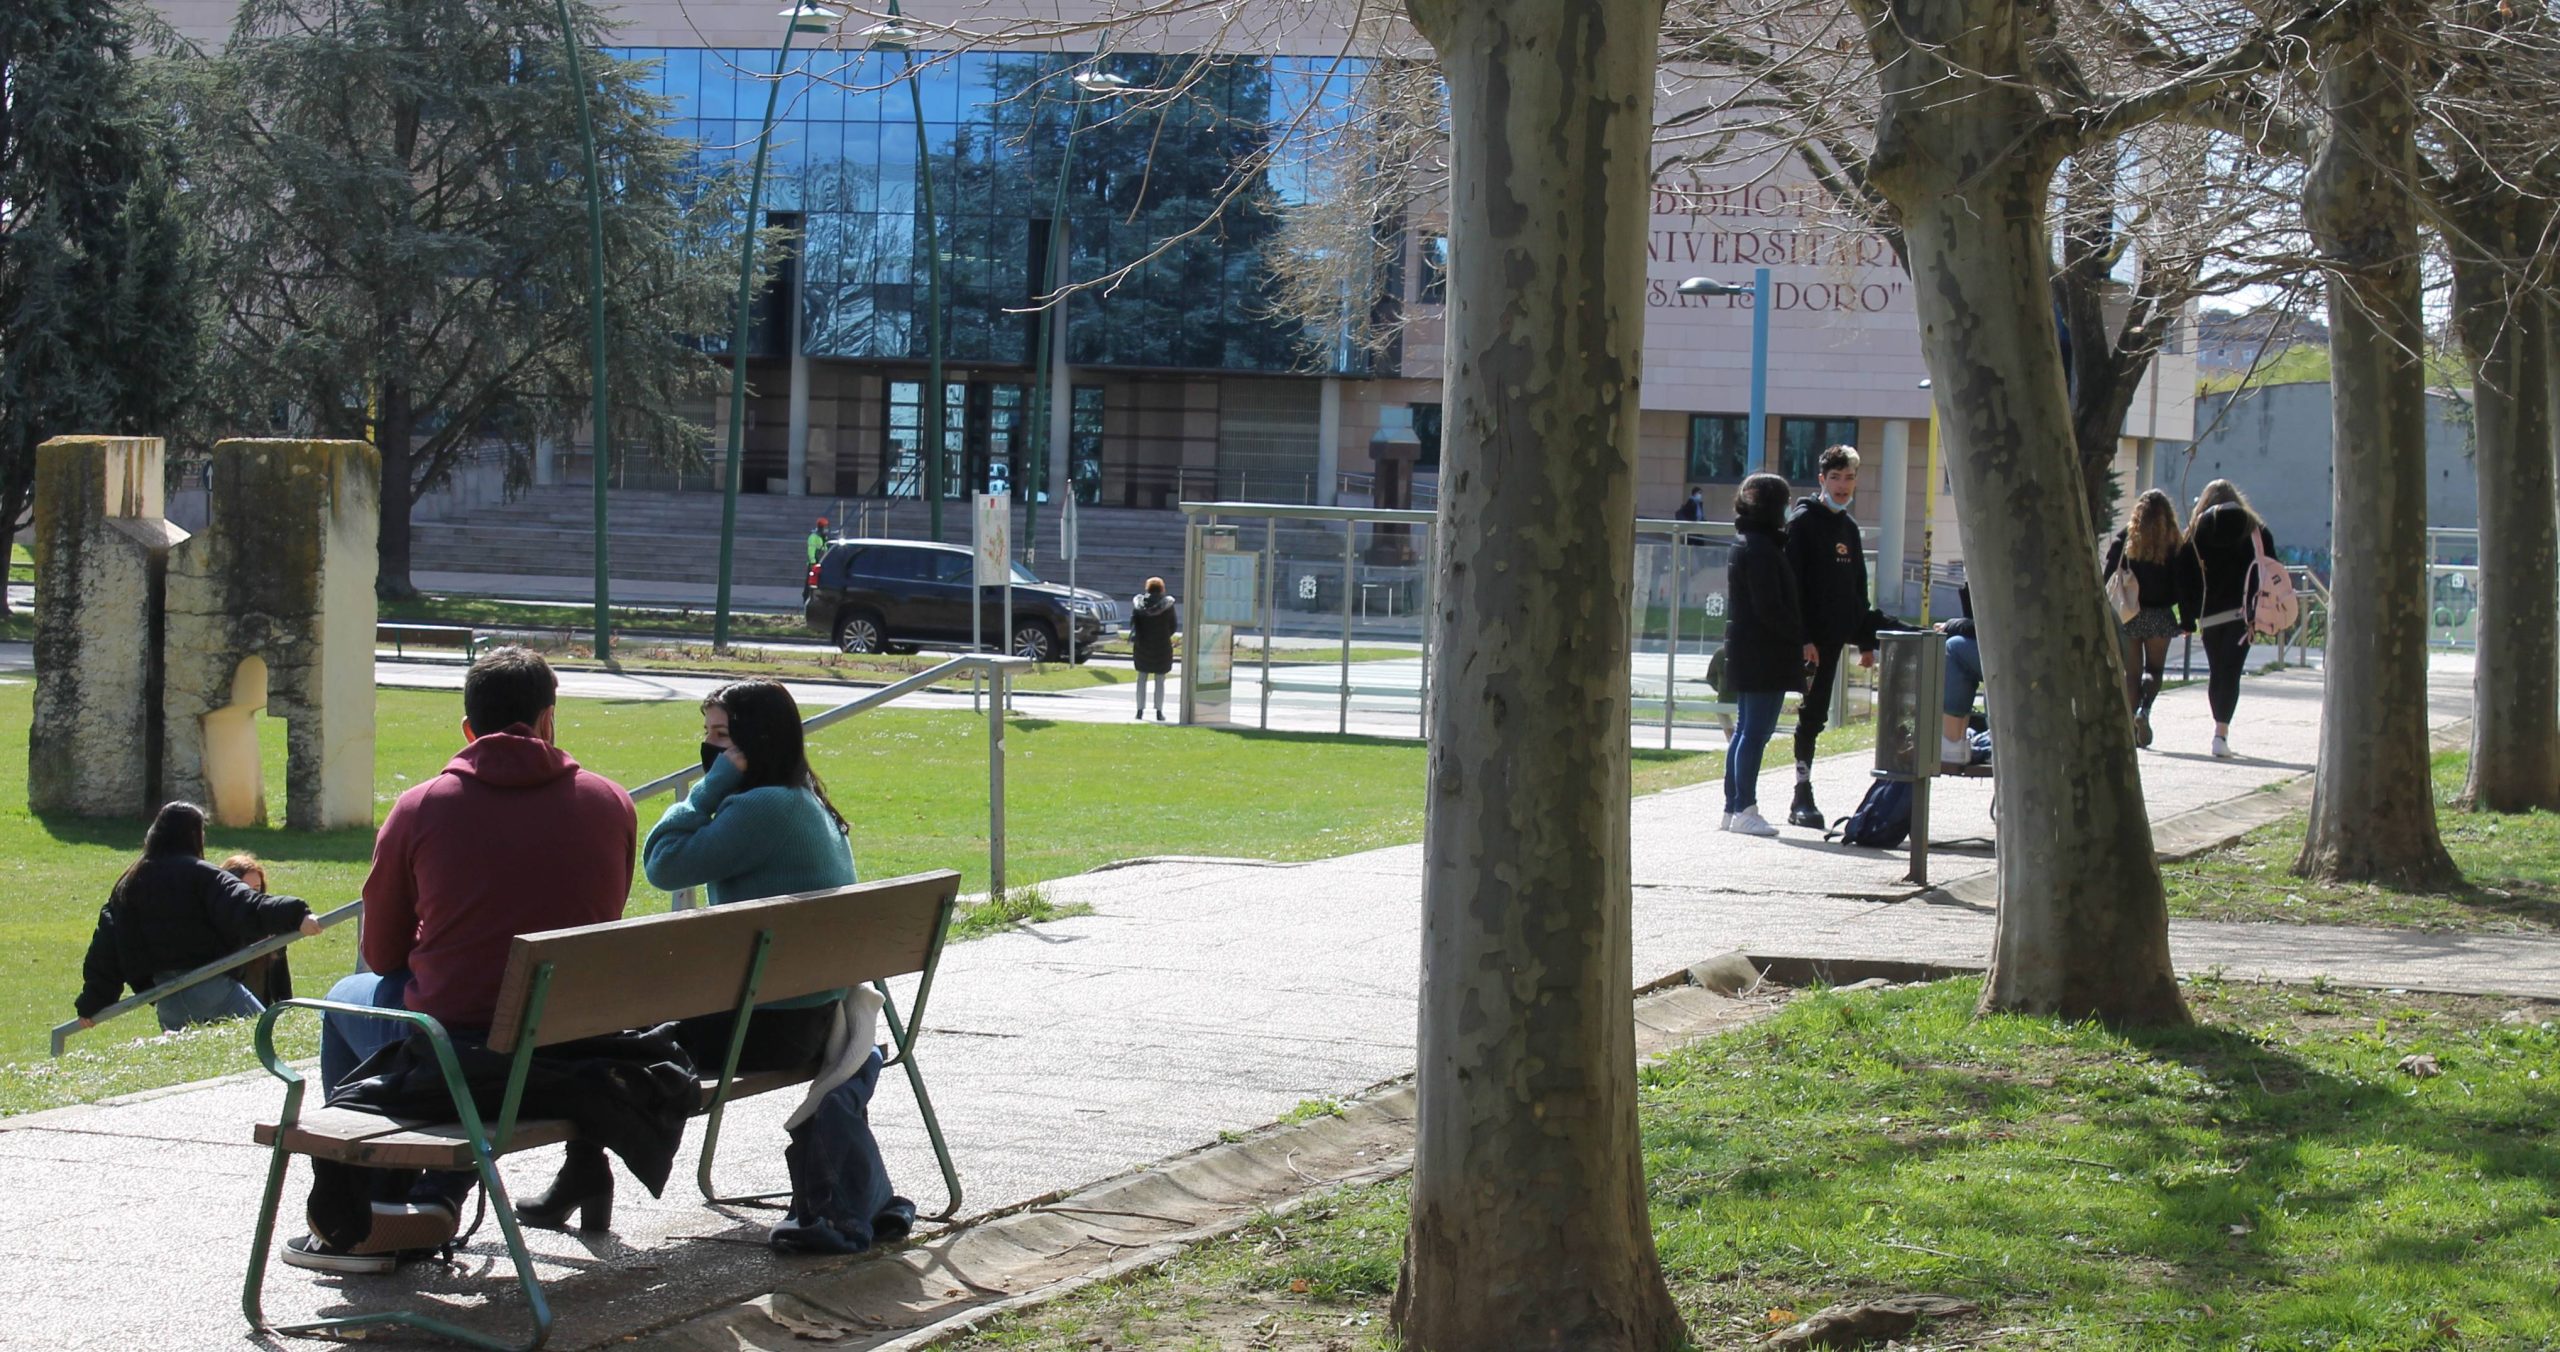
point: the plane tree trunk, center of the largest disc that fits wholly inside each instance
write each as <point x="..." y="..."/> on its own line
<point x="1966" y="152"/>
<point x="2373" y="814"/>
<point x="1529" y="1225"/>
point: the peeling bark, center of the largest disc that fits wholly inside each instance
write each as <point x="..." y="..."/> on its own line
<point x="2515" y="706"/>
<point x="1529" y="1225"/>
<point x="2083" y="927"/>
<point x="2373" y="815"/>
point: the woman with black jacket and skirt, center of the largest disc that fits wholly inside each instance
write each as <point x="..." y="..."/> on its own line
<point x="171" y="913"/>
<point x="2224" y="538"/>
<point x="1766" y="652"/>
<point x="2147" y="548"/>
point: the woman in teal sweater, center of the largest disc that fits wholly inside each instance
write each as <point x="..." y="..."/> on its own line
<point x="757" y="824"/>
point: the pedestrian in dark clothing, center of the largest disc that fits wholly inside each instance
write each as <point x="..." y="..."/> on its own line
<point x="171" y="913"/>
<point x="1693" y="507"/>
<point x="270" y="977"/>
<point x="1152" y="617"/>
<point x="1766" y="649"/>
<point x="2224" y="537"/>
<point x="1830" y="563"/>
<point x="2147" y="551"/>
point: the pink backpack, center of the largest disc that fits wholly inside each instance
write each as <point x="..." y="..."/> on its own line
<point x="2268" y="599"/>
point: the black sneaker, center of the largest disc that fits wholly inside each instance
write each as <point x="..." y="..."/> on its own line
<point x="1802" y="812"/>
<point x="305" y="1251"/>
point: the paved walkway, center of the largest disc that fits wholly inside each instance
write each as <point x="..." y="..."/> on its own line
<point x="1200" y="996"/>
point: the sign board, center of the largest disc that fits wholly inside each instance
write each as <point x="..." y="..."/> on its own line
<point x="1229" y="588"/>
<point x="992" y="538"/>
<point x="1067" y="530"/>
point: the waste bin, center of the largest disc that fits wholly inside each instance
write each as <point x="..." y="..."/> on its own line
<point x="1910" y="685"/>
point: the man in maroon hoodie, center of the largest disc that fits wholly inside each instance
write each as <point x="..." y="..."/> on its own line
<point x="512" y="838"/>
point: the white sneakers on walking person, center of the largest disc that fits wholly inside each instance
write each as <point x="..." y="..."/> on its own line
<point x="1748" y="822"/>
<point x="2222" y="748"/>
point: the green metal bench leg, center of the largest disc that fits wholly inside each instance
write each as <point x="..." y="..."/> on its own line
<point x="728" y="1075"/>
<point x="711" y="1148"/>
<point x="906" y="1060"/>
<point x="482" y="1159"/>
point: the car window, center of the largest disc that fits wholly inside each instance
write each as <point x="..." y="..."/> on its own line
<point x="887" y="565"/>
<point x="952" y="567"/>
<point x="839" y="562"/>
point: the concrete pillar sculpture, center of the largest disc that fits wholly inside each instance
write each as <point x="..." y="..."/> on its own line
<point x="101" y="548"/>
<point x="272" y="605"/>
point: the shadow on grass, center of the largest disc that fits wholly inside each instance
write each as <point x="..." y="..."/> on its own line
<point x="352" y="845"/>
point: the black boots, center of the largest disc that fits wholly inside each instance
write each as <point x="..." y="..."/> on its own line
<point x="584" y="1188"/>
<point x="1802" y="812"/>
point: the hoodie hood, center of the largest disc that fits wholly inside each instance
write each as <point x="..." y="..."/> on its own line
<point x="1153" y="605"/>
<point x="2225" y="525"/>
<point x="514" y="759"/>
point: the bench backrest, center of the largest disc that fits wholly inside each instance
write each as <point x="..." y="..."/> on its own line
<point x="647" y="970"/>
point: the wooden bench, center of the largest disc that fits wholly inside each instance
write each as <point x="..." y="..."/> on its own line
<point x="403" y="637"/>
<point x="561" y="985"/>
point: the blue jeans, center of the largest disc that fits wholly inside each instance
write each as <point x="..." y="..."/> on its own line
<point x="1755" y="717"/>
<point x="214" y="998"/>
<point x="345" y="1039"/>
<point x="1964" y="677"/>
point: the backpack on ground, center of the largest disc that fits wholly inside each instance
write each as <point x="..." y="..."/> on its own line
<point x="2268" y="598"/>
<point x="1883" y="818"/>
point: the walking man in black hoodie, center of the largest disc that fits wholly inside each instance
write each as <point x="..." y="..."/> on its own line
<point x="1830" y="563"/>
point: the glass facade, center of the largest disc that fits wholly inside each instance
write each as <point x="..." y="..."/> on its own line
<point x="1152" y="173"/>
<point x="1801" y="442"/>
<point x="1719" y="444"/>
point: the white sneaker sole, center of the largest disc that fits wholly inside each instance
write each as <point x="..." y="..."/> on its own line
<point x="328" y="1260"/>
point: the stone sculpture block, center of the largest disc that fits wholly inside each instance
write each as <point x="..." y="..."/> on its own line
<point x="101" y="550"/>
<point x="272" y="606"/>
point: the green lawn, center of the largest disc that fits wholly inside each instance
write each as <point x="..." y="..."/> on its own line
<point x="2268" y="1179"/>
<point x="2511" y="861"/>
<point x="491" y="613"/>
<point x="912" y="783"/>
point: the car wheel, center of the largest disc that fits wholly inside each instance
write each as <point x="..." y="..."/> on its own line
<point x="859" y="632"/>
<point x="1032" y="639"/>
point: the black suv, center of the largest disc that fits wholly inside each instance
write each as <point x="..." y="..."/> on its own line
<point x="873" y="596"/>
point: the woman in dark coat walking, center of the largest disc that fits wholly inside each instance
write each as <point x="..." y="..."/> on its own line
<point x="2225" y="535"/>
<point x="2147" y="550"/>
<point x="1151" y="620"/>
<point x="1766" y="650"/>
<point x="171" y="913"/>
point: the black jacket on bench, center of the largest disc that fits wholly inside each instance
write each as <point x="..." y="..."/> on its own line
<point x="629" y="1092"/>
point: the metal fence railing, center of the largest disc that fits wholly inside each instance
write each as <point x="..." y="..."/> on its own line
<point x="999" y="671"/>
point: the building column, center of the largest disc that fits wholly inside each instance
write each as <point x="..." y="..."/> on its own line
<point x="1328" y="443"/>
<point x="546" y="460"/>
<point x="1893" y="513"/>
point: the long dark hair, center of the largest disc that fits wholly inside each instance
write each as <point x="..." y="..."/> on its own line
<point x="764" y="724"/>
<point x="177" y="830"/>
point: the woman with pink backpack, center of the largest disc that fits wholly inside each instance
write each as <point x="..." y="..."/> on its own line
<point x="2219" y="587"/>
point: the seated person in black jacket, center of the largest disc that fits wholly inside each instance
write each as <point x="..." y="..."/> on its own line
<point x="171" y="913"/>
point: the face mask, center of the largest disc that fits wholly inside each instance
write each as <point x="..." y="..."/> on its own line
<point x="710" y="753"/>
<point x="1839" y="504"/>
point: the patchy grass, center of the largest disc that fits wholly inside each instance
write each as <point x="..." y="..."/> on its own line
<point x="2511" y="863"/>
<point x="2267" y="1179"/>
<point x="98" y="1067"/>
<point x="1018" y="906"/>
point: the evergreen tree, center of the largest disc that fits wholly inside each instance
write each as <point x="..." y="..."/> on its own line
<point x="395" y="198"/>
<point x="99" y="326"/>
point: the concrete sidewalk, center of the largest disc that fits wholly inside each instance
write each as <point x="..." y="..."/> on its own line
<point x="1200" y="996"/>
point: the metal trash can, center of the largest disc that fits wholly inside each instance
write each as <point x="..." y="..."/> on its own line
<point x="1911" y="674"/>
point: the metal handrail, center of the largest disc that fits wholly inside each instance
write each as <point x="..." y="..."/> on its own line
<point x="999" y="671"/>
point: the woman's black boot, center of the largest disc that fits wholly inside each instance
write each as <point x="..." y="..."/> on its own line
<point x="584" y="1188"/>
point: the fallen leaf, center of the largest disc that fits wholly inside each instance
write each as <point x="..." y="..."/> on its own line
<point x="2420" y="1066"/>
<point x="1782" y="1316"/>
<point x="1298" y="1286"/>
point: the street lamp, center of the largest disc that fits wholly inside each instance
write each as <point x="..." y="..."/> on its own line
<point x="595" y="332"/>
<point x="896" y="34"/>
<point x="1929" y="508"/>
<point x="1759" y="293"/>
<point x="1093" y="85"/>
<point x="804" y="18"/>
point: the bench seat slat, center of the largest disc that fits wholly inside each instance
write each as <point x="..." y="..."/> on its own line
<point x="353" y="1137"/>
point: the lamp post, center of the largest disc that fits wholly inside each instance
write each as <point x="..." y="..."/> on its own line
<point x="595" y="332"/>
<point x="1929" y="508"/>
<point x="1759" y="293"/>
<point x="804" y="18"/>
<point x="1046" y="384"/>
<point x="898" y="35"/>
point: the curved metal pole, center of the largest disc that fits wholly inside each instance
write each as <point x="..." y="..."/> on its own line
<point x="595" y="334"/>
<point x="730" y="467"/>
